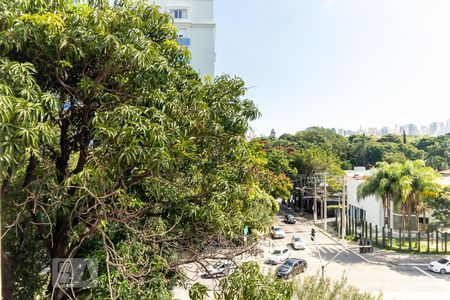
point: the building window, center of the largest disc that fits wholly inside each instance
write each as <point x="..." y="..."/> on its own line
<point x="421" y="221"/>
<point x="179" y="13"/>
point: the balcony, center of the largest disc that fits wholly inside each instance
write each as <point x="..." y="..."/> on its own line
<point x="184" y="41"/>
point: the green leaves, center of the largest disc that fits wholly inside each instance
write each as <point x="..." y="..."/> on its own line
<point x="119" y="143"/>
<point x="198" y="292"/>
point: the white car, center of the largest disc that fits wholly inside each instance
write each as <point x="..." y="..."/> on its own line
<point x="298" y="243"/>
<point x="220" y="269"/>
<point x="278" y="256"/>
<point x="277" y="232"/>
<point x="440" y="266"/>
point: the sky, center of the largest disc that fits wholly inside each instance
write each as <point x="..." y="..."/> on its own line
<point x="338" y="63"/>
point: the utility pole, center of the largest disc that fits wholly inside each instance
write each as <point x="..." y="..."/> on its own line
<point x="324" y="203"/>
<point x="315" y="201"/>
<point x="344" y="211"/>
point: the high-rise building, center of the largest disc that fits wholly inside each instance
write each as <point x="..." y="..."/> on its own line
<point x="423" y="130"/>
<point x="196" y="30"/>
<point x="433" y="128"/>
<point x="440" y="128"/>
<point x="373" y="131"/>
<point x="411" y="129"/>
<point x="384" y="131"/>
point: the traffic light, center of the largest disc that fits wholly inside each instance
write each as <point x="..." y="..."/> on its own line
<point x="313" y="234"/>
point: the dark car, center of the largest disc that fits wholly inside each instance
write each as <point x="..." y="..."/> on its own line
<point x="290" y="219"/>
<point x="291" y="267"/>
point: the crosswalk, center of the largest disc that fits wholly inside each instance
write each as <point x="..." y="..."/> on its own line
<point x="327" y="248"/>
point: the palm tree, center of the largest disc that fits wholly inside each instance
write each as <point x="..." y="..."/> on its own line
<point x="383" y="184"/>
<point x="417" y="183"/>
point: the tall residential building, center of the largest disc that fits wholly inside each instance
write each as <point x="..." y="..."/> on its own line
<point x="196" y="30"/>
<point x="412" y="129"/>
<point x="432" y="129"/>
<point x="423" y="130"/>
<point x="373" y="131"/>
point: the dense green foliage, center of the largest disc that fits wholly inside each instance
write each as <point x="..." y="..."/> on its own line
<point x="441" y="209"/>
<point x="363" y="150"/>
<point x="408" y="185"/>
<point x="318" y="150"/>
<point x="249" y="283"/>
<point x="112" y="147"/>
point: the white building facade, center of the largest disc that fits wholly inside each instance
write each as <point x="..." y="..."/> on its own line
<point x="197" y="30"/>
<point x="370" y="209"/>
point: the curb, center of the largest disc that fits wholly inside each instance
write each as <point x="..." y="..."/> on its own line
<point x="357" y="254"/>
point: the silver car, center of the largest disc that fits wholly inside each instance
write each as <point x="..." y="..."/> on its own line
<point x="220" y="269"/>
<point x="298" y="243"/>
<point x="276" y="232"/>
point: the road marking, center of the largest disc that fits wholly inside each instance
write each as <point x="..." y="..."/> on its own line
<point x="423" y="272"/>
<point x="446" y="286"/>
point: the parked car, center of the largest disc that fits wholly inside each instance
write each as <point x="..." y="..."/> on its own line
<point x="220" y="269"/>
<point x="291" y="267"/>
<point x="298" y="243"/>
<point x="440" y="266"/>
<point x="276" y="232"/>
<point x="278" y="255"/>
<point x="290" y="219"/>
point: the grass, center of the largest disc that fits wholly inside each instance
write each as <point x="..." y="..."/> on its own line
<point x="414" y="246"/>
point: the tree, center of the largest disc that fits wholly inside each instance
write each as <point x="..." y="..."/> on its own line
<point x="360" y="150"/>
<point x="441" y="147"/>
<point x="112" y="147"/>
<point x="396" y="157"/>
<point x="441" y="209"/>
<point x="424" y="142"/>
<point x="316" y="160"/>
<point x="437" y="162"/>
<point x="324" y="138"/>
<point x="271" y="168"/>
<point x="417" y="182"/>
<point x="249" y="283"/>
<point x="406" y="184"/>
<point x="390" y="138"/>
<point x="383" y="183"/>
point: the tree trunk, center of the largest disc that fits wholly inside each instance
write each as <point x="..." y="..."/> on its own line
<point x="6" y="274"/>
<point x="60" y="249"/>
<point x="7" y="280"/>
<point x="409" y="214"/>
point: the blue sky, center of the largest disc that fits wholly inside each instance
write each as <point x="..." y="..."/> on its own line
<point x="338" y="63"/>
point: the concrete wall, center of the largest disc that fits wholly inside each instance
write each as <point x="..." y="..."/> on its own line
<point x="372" y="205"/>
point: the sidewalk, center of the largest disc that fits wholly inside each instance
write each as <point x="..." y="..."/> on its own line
<point x="379" y="256"/>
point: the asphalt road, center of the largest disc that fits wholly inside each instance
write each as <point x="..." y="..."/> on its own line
<point x="394" y="281"/>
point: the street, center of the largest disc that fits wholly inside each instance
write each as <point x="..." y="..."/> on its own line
<point x="364" y="271"/>
<point x="396" y="281"/>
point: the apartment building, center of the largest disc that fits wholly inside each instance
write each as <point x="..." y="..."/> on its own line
<point x="195" y="22"/>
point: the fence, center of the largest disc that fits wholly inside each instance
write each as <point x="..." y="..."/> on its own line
<point x="399" y="240"/>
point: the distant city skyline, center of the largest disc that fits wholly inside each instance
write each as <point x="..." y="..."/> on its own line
<point x="434" y="128"/>
<point x="341" y="64"/>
